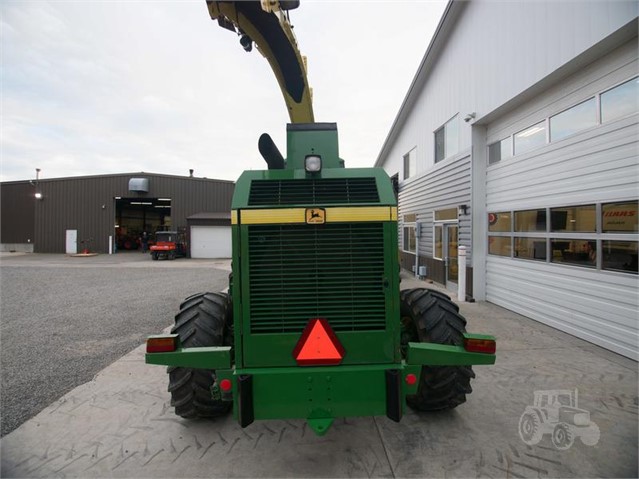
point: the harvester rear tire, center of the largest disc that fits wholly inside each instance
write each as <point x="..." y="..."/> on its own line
<point x="203" y="321"/>
<point x="431" y="317"/>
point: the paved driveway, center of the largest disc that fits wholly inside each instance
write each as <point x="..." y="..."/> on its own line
<point x="120" y="424"/>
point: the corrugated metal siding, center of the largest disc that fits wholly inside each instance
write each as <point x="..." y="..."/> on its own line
<point x="447" y="186"/>
<point x="555" y="40"/>
<point x="87" y="204"/>
<point x="597" y="165"/>
<point x="598" y="307"/>
<point x="594" y="166"/>
<point x="17" y="213"/>
<point x="479" y="68"/>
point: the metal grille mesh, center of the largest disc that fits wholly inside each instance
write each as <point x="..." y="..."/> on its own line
<point x="332" y="271"/>
<point x="313" y="192"/>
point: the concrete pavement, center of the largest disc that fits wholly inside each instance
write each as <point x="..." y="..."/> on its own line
<point x="121" y="424"/>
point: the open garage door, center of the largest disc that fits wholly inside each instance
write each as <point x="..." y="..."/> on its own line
<point x="210" y="241"/>
<point x="134" y="216"/>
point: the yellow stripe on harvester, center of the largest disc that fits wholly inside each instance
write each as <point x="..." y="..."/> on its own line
<point x="333" y="215"/>
<point x="271" y="216"/>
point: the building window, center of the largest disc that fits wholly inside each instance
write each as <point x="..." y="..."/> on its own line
<point x="408" y="233"/>
<point x="410" y="163"/>
<point x="530" y="138"/>
<point x="447" y="214"/>
<point x="575" y="251"/>
<point x="573" y="120"/>
<point x="598" y="236"/>
<point x="574" y="218"/>
<point x="438" y="241"/>
<point x="447" y="140"/>
<point x="617" y="102"/>
<point x="499" y="245"/>
<point x="530" y="220"/>
<point x="499" y="222"/>
<point x="530" y="248"/>
<point x="620" y="101"/>
<point x="619" y="217"/>
<point x="409" y="238"/>
<point x="620" y="256"/>
<point x="500" y="150"/>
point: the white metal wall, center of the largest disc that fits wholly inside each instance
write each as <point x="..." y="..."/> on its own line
<point x="487" y="56"/>
<point x="597" y="165"/>
<point x="493" y="52"/>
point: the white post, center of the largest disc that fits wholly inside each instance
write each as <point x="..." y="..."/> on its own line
<point x="110" y="244"/>
<point x="418" y="234"/>
<point x="461" y="263"/>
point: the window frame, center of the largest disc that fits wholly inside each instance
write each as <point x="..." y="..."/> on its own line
<point x="409" y="159"/>
<point x="501" y="157"/>
<point x="599" y="121"/>
<point x="408" y="223"/>
<point x="543" y="122"/>
<point x="597" y="116"/>
<point x="603" y="92"/>
<point x="598" y="238"/>
<point x="447" y="216"/>
<point x="446" y="154"/>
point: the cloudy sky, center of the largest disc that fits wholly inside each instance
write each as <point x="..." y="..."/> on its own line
<point x="102" y="87"/>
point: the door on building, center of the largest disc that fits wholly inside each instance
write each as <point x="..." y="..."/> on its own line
<point x="446" y="237"/>
<point x="72" y="242"/>
<point x="451" y="233"/>
<point x="134" y="216"/>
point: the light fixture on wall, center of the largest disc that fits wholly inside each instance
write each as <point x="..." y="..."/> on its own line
<point x="38" y="194"/>
<point x="462" y="210"/>
<point x="470" y="116"/>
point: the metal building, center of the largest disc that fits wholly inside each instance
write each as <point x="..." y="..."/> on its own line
<point x="518" y="140"/>
<point x="105" y="213"/>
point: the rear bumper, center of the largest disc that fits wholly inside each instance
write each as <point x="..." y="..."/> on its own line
<point x="320" y="393"/>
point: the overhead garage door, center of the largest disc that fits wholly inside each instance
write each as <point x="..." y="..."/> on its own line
<point x="210" y="241"/>
<point x="562" y="217"/>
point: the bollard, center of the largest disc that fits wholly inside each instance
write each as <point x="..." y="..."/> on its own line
<point x="461" y="263"/>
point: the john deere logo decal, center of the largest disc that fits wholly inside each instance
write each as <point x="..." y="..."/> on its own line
<point x="315" y="216"/>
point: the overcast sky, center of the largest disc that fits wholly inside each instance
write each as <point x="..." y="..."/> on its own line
<point x="106" y="87"/>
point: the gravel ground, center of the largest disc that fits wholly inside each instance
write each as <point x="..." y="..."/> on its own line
<point x="63" y="321"/>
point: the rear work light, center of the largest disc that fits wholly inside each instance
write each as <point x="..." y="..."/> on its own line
<point x="479" y="345"/>
<point x="162" y="344"/>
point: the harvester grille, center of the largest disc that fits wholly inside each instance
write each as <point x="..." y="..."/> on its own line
<point x="312" y="191"/>
<point x="299" y="272"/>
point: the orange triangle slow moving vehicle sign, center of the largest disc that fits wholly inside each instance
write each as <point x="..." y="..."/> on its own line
<point x="318" y="345"/>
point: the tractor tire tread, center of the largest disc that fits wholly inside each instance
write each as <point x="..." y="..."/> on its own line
<point x="437" y="320"/>
<point x="202" y="321"/>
